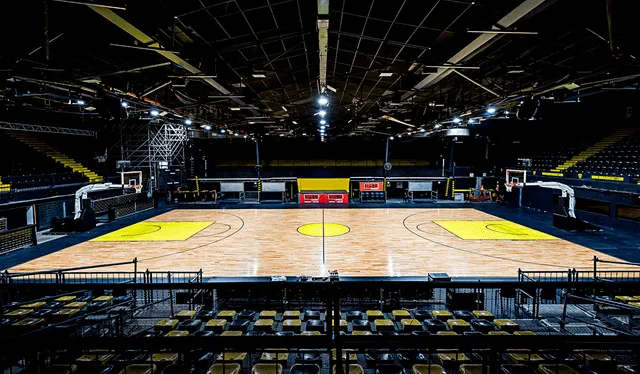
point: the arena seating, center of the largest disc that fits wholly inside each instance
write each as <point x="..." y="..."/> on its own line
<point x="619" y="159"/>
<point x="73" y="313"/>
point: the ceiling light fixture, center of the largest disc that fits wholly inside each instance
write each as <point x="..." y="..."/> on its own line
<point x="322" y="113"/>
<point x="502" y="32"/>
<point x="391" y="138"/>
<point x="80" y="102"/>
<point x="323" y="122"/>
<point x="207" y="127"/>
<point x="259" y="74"/>
<point x="187" y="122"/>
<point x="124" y="104"/>
<point x="294" y="122"/>
<point x="154" y="112"/>
<point x="491" y="110"/>
<point x="284" y="108"/>
<point x="235" y="109"/>
<point x="323" y="100"/>
<point x="386" y="74"/>
<point x="331" y="88"/>
<point x="457" y="120"/>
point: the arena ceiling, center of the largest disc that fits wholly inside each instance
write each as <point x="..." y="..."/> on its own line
<point x="257" y="67"/>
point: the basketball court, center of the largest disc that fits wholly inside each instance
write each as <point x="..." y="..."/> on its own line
<point x="356" y="242"/>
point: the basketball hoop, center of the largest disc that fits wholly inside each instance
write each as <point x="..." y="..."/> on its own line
<point x="137" y="188"/>
<point x="509" y="186"/>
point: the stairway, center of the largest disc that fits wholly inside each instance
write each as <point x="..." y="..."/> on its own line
<point x="597" y="147"/>
<point x="58" y="156"/>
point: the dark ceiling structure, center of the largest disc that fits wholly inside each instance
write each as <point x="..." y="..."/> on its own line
<point x="258" y="67"/>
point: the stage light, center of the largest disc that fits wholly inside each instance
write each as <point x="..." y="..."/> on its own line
<point x="80" y="102"/>
<point x="457" y="120"/>
<point x="470" y="120"/>
<point x="323" y="122"/>
<point x="422" y="130"/>
<point x="491" y="110"/>
<point x="323" y="100"/>
<point x="187" y="122"/>
<point x="245" y="136"/>
<point x="322" y="113"/>
<point x="409" y="133"/>
<point x="294" y="122"/>
<point x="154" y="112"/>
<point x="322" y="127"/>
<point x="506" y="112"/>
<point x="223" y="131"/>
<point x="207" y="127"/>
<point x="235" y="134"/>
<point x="399" y="135"/>
<point x="124" y="104"/>
<point x="437" y="126"/>
<point x="391" y="138"/>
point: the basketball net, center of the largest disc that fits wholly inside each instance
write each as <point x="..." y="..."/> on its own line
<point x="509" y="186"/>
<point x="137" y="187"/>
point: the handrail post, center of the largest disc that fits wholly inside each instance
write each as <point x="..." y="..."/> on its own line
<point x="170" y="293"/>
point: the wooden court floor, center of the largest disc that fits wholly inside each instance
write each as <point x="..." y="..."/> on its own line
<point x="356" y="242"/>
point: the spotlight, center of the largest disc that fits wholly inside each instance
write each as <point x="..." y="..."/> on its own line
<point x="470" y="120"/>
<point x="323" y="122"/>
<point x="506" y="112"/>
<point x="322" y="113"/>
<point x="437" y="126"/>
<point x="80" y="102"/>
<point x="284" y="108"/>
<point x="491" y="110"/>
<point x="154" y="112"/>
<point x="294" y="122"/>
<point x="391" y="138"/>
<point x="323" y="100"/>
<point x="223" y="131"/>
<point x="187" y="122"/>
<point x="207" y="127"/>
<point x="409" y="133"/>
<point x="235" y="134"/>
<point x="422" y="130"/>
<point x="399" y="135"/>
<point x="457" y="120"/>
<point x="322" y="127"/>
<point x="245" y="136"/>
<point x="124" y="104"/>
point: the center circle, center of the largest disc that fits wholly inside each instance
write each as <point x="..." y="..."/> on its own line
<point x="330" y="229"/>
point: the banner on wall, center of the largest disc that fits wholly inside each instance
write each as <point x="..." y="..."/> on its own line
<point x="371" y="186"/>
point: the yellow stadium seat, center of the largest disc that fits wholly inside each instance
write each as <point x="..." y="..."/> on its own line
<point x="167" y="324"/>
<point x="164" y="358"/>
<point x="374" y="314"/>
<point x="66" y="299"/>
<point x="229" y="315"/>
<point x="232" y="356"/>
<point x="35" y="305"/>
<point x="292" y="325"/>
<point x="266" y="369"/>
<point x="176" y="333"/>
<point x="442" y="315"/>
<point x="483" y="314"/>
<point x="555" y="369"/>
<point x="139" y="369"/>
<point x="216" y="325"/>
<point x="275" y="354"/>
<point x="291" y="314"/>
<point x="75" y="305"/>
<point x="353" y="369"/>
<point x="400" y="314"/>
<point x="411" y="324"/>
<point x="458" y="325"/>
<point x="224" y="369"/>
<point x="231" y="333"/>
<point x="473" y="369"/>
<point x="506" y="325"/>
<point x="384" y="325"/>
<point x="268" y="314"/>
<point x="427" y="369"/>
<point x="185" y="315"/>
<point x="310" y="333"/>
<point x="263" y="325"/>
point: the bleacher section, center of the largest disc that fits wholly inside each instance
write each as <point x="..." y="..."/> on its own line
<point x="24" y="168"/>
<point x="56" y="155"/>
<point x="619" y="158"/>
<point x="613" y="157"/>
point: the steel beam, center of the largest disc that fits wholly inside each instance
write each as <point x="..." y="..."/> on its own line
<point x="11" y="126"/>
<point x="476" y="45"/>
<point x="148" y="41"/>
